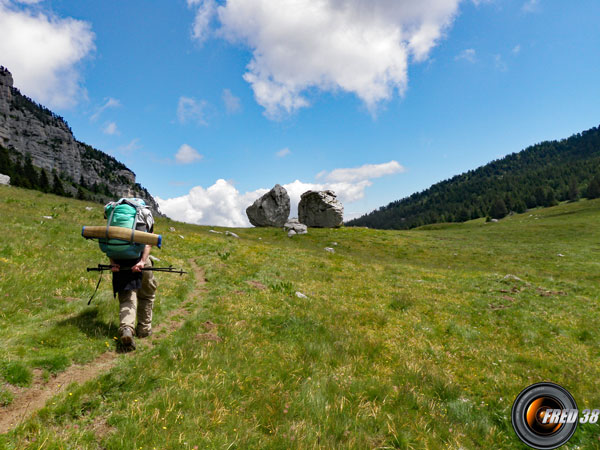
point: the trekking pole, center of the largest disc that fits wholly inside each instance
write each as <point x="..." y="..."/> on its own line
<point x="170" y="269"/>
<point x="102" y="267"/>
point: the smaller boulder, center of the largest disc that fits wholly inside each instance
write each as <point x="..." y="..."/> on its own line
<point x="294" y="225"/>
<point x="4" y="179"/>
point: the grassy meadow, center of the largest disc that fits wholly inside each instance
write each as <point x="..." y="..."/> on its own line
<point x="413" y="339"/>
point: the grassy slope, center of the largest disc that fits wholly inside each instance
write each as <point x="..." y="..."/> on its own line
<point x="407" y="339"/>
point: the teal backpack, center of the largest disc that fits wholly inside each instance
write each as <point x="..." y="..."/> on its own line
<point x="127" y="213"/>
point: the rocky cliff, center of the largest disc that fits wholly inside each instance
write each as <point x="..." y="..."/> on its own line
<point x="29" y="128"/>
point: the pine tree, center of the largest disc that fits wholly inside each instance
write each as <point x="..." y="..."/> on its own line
<point x="463" y="215"/>
<point x="573" y="190"/>
<point x="57" y="186"/>
<point x="30" y="173"/>
<point x="550" y="198"/>
<point x="498" y="209"/>
<point x="44" y="183"/>
<point x="593" y="190"/>
<point x="540" y="196"/>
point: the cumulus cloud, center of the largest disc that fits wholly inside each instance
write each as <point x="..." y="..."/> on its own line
<point x="43" y="51"/>
<point x="190" y="110"/>
<point x="187" y="155"/>
<point x="283" y="152"/>
<point x="516" y="49"/>
<point x="364" y="172"/>
<point x="232" y="103"/>
<point x="109" y="103"/>
<point x="222" y="204"/>
<point x="467" y="54"/>
<point x="111" y="129"/>
<point x="357" y="46"/>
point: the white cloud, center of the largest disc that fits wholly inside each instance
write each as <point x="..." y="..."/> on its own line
<point x="531" y="6"/>
<point x="109" y="103"/>
<point x="364" y="172"/>
<point x="205" y="13"/>
<point x="221" y="204"/>
<point x="232" y="103"/>
<point x="133" y="145"/>
<point x="357" y="46"/>
<point x="111" y="129"/>
<point x="187" y="155"/>
<point x="468" y="54"/>
<point x="190" y="110"/>
<point x="43" y="51"/>
<point x="283" y="152"/>
<point x="516" y="49"/>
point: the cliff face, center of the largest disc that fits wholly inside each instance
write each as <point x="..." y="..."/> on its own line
<point x="29" y="128"/>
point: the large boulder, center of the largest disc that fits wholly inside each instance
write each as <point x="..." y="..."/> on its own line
<point x="320" y="209"/>
<point x="271" y="210"/>
<point x="4" y="179"/>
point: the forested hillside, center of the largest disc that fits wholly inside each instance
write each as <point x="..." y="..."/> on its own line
<point x="540" y="175"/>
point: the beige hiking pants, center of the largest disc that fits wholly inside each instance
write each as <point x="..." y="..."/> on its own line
<point x="138" y="304"/>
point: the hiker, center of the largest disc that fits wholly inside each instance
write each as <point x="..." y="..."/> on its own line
<point x="134" y="287"/>
<point x="136" y="291"/>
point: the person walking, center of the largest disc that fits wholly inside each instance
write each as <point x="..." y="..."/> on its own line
<point x="135" y="287"/>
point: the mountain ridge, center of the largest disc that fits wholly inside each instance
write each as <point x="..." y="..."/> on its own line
<point x="30" y="130"/>
<point x="539" y="175"/>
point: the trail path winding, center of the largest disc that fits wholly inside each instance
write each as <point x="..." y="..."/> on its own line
<point x="31" y="399"/>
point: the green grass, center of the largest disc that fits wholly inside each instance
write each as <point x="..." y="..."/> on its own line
<point x="412" y="339"/>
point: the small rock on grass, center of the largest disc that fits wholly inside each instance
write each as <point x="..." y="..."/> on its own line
<point x="172" y="229"/>
<point x="291" y="233"/>
<point x="232" y="234"/>
<point x="512" y="277"/>
<point x="181" y="236"/>
<point x="213" y="231"/>
<point x="329" y="249"/>
<point x="300" y="295"/>
<point x="48" y="217"/>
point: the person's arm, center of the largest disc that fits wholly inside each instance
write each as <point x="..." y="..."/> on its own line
<point x="142" y="262"/>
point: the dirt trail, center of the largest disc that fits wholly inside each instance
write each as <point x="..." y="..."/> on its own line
<point x="29" y="400"/>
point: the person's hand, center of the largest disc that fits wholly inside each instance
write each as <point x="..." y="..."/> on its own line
<point x="115" y="267"/>
<point x="138" y="267"/>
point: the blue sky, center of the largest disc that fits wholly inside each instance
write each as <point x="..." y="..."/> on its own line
<point x="212" y="103"/>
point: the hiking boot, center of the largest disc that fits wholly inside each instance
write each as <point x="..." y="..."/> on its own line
<point x="127" y="341"/>
<point x="139" y="332"/>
